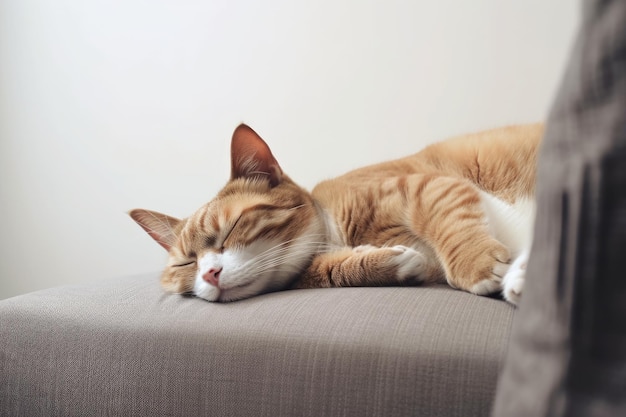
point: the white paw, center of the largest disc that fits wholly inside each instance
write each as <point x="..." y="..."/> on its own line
<point x="513" y="281"/>
<point x="487" y="286"/>
<point x="493" y="284"/>
<point x="410" y="263"/>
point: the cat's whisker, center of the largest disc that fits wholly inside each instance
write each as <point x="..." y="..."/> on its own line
<point x="286" y="246"/>
<point x="300" y="250"/>
<point x="292" y="245"/>
<point x="278" y="259"/>
<point x="277" y="264"/>
<point x="297" y="207"/>
<point x="289" y="242"/>
<point x="281" y="254"/>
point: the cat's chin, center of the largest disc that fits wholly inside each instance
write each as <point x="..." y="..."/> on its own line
<point x="234" y="294"/>
<point x="210" y="293"/>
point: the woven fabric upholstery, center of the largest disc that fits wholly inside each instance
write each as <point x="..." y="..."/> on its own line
<point x="123" y="347"/>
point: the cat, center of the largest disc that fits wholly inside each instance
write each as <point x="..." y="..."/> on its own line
<point x="460" y="211"/>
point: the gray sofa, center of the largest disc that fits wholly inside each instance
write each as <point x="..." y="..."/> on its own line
<point x="123" y="347"/>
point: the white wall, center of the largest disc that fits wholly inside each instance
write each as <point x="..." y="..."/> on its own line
<point x="111" y="105"/>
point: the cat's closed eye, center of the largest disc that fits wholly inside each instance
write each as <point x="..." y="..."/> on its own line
<point x="183" y="264"/>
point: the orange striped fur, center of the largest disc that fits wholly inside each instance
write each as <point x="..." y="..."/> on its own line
<point x="441" y="215"/>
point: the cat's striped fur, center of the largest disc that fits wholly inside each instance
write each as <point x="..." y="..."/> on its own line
<point x="460" y="211"/>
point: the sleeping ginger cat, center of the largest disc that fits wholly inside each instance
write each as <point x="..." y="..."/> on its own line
<point x="460" y="211"/>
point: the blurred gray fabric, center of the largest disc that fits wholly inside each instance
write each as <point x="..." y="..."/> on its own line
<point x="123" y="347"/>
<point x="568" y="346"/>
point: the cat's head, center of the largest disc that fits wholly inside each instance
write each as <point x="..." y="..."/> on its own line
<point x="255" y="236"/>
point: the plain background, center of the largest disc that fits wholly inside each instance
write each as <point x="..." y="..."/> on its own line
<point x="111" y="105"/>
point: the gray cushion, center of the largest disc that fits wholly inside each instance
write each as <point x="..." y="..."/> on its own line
<point x="123" y="347"/>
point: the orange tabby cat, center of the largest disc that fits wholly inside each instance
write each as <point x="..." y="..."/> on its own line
<point x="460" y="211"/>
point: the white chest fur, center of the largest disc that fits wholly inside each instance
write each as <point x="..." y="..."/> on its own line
<point x="511" y="224"/>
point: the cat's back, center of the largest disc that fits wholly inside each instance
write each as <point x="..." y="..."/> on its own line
<point x="500" y="161"/>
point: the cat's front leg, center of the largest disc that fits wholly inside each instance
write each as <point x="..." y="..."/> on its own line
<point x="365" y="265"/>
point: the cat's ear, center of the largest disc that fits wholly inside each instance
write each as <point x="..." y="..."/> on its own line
<point x="251" y="157"/>
<point x="159" y="226"/>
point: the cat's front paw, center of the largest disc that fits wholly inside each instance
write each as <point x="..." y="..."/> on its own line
<point x="492" y="283"/>
<point x="513" y="281"/>
<point x="410" y="263"/>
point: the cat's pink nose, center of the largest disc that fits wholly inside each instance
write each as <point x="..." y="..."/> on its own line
<point x="212" y="276"/>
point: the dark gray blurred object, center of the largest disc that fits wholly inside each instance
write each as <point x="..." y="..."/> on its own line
<point x="568" y="349"/>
